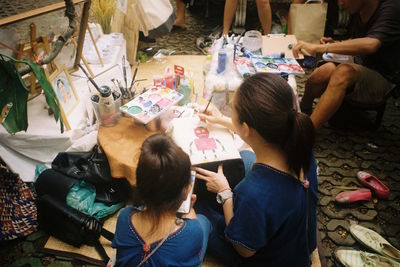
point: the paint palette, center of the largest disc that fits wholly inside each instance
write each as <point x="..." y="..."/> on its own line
<point x="151" y="104"/>
<point x="277" y="65"/>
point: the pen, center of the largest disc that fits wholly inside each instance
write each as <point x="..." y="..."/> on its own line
<point x="209" y="101"/>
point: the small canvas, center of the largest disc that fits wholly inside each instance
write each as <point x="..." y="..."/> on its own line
<point x="203" y="142"/>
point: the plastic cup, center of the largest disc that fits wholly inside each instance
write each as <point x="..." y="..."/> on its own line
<point x="252" y="40"/>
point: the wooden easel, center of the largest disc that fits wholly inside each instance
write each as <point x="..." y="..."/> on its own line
<point x="33" y="51"/>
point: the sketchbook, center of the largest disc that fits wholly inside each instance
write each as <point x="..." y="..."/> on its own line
<point x="277" y="65"/>
<point x="203" y="142"/>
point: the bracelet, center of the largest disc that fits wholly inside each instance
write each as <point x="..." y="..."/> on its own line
<point x="326" y="48"/>
<point x="225" y="189"/>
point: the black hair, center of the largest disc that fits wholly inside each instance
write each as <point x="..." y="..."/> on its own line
<point x="163" y="171"/>
<point x="266" y="103"/>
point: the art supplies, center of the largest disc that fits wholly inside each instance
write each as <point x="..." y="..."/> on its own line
<point x="252" y="40"/>
<point x="203" y="142"/>
<point x="185" y="90"/>
<point x="244" y="66"/>
<point x="90" y="78"/>
<point x="339" y="58"/>
<point x="151" y="104"/>
<point x="209" y="101"/>
<point x="221" y="60"/>
<point x="124" y="70"/>
<point x="277" y="65"/>
<point x="168" y="78"/>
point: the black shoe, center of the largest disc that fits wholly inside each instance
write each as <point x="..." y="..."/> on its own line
<point x="146" y="39"/>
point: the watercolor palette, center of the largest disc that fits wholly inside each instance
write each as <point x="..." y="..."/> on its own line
<point x="277" y="65"/>
<point x="151" y="104"/>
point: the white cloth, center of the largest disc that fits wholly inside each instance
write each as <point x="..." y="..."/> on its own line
<point x="43" y="140"/>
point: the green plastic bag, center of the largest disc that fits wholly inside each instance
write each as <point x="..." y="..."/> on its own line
<point x="82" y="197"/>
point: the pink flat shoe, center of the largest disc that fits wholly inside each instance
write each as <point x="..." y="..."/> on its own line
<point x="370" y="181"/>
<point x="354" y="196"/>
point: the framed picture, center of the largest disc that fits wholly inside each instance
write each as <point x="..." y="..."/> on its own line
<point x="64" y="89"/>
<point x="65" y="92"/>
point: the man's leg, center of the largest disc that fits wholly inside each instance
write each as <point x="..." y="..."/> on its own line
<point x="316" y="85"/>
<point x="342" y="78"/>
<point x="229" y="13"/>
<point x="264" y="15"/>
<point x="180" y="14"/>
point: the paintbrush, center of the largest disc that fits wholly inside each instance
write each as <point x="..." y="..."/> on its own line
<point x="90" y="78"/>
<point x="209" y="101"/>
<point x="134" y="75"/>
<point x="124" y="70"/>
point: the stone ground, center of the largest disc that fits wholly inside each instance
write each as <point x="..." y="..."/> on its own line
<point x="341" y="151"/>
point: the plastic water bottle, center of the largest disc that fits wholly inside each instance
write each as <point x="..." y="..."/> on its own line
<point x="221" y="60"/>
<point x="106" y="106"/>
<point x="184" y="88"/>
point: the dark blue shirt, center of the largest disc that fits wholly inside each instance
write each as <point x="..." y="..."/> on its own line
<point x="182" y="248"/>
<point x="270" y="210"/>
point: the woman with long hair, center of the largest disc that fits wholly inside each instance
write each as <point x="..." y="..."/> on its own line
<point x="269" y="218"/>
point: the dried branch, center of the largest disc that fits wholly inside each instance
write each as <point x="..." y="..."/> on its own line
<point x="62" y="39"/>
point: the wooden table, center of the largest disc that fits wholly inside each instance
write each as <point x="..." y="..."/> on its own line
<point x="50" y="8"/>
<point x="121" y="143"/>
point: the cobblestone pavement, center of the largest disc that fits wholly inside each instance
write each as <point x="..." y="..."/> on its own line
<point x="340" y="152"/>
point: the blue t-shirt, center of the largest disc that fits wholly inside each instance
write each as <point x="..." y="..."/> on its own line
<point x="182" y="248"/>
<point x="270" y="217"/>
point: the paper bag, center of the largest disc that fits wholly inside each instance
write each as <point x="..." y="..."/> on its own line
<point x="307" y="21"/>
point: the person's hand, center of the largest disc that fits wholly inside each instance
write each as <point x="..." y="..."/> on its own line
<point x="215" y="181"/>
<point x="305" y="48"/>
<point x="325" y="40"/>
<point x="192" y="213"/>
<point x="211" y="115"/>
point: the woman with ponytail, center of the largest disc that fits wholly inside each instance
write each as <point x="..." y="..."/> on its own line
<point x="151" y="234"/>
<point x="269" y="218"/>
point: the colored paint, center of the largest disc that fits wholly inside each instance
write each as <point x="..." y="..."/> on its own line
<point x="135" y="110"/>
<point x="147" y="104"/>
<point x="154" y="97"/>
<point x="164" y="102"/>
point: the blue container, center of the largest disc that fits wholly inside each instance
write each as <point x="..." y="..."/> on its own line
<point x="221" y="60"/>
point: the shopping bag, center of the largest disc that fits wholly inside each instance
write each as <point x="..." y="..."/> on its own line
<point x="307" y="21"/>
<point x="155" y="18"/>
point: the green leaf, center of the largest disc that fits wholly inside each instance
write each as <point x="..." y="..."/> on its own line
<point x="51" y="98"/>
<point x="13" y="91"/>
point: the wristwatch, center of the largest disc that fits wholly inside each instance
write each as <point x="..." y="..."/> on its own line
<point x="223" y="196"/>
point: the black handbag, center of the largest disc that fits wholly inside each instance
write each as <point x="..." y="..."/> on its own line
<point x="70" y="225"/>
<point x="93" y="168"/>
<point x="90" y="166"/>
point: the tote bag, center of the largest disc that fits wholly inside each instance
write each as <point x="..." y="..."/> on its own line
<point x="307" y="21"/>
<point x="155" y="17"/>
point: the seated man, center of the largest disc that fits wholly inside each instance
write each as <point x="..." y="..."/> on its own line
<point x="263" y="9"/>
<point x="376" y="39"/>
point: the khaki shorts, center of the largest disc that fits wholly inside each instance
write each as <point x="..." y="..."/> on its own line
<point x="370" y="88"/>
